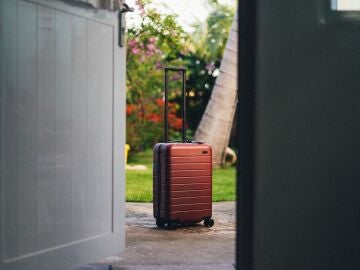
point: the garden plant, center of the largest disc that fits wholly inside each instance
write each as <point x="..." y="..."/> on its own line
<point x="155" y="42"/>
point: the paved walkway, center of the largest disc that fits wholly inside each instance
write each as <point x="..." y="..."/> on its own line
<point x="192" y="247"/>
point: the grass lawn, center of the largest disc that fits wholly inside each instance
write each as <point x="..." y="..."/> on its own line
<point x="139" y="183"/>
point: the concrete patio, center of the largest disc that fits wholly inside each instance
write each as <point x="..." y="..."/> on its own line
<point x="190" y="247"/>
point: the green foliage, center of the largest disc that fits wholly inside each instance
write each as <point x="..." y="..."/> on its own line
<point x="158" y="41"/>
<point x="210" y="36"/>
<point x="209" y="42"/>
<point x="145" y="123"/>
<point x="139" y="183"/>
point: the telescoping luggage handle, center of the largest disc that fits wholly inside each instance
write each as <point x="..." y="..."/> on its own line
<point x="183" y="107"/>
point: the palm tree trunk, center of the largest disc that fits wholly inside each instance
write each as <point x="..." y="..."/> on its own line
<point x="216" y="123"/>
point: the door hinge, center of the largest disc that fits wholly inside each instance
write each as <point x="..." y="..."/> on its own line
<point x="123" y="8"/>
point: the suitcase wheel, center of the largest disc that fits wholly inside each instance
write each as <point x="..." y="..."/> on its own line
<point x="208" y="222"/>
<point x="171" y="226"/>
<point x="160" y="223"/>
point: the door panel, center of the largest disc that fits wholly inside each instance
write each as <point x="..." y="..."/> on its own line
<point x="62" y="135"/>
<point x="299" y="189"/>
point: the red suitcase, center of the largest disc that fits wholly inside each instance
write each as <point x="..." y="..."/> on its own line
<point x="182" y="175"/>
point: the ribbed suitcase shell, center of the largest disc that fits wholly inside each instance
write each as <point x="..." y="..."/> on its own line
<point x="182" y="176"/>
<point x="182" y="182"/>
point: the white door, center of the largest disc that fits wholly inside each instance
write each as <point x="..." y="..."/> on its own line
<point x="62" y="131"/>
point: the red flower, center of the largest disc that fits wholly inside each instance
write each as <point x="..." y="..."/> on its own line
<point x="160" y="102"/>
<point x="154" y="118"/>
<point x="130" y="108"/>
<point x="175" y="122"/>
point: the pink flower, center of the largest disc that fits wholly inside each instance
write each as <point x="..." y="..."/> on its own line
<point x="152" y="39"/>
<point x="175" y="77"/>
<point x="151" y="47"/>
<point x="135" y="50"/>
<point x="149" y="53"/>
<point x="158" y="65"/>
<point x="132" y="43"/>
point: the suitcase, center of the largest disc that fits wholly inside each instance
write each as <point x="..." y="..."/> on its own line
<point x="182" y="175"/>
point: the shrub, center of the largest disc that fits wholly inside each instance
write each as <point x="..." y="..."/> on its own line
<point x="156" y="42"/>
<point x="145" y="124"/>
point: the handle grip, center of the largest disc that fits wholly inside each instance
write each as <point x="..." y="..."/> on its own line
<point x="183" y="107"/>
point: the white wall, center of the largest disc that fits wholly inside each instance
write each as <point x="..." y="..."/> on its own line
<point x="346" y="5"/>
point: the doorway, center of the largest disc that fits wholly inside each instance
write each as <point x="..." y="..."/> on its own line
<point x="199" y="45"/>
